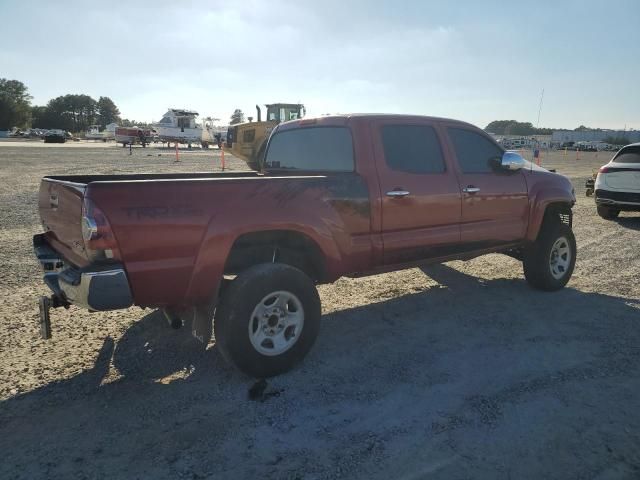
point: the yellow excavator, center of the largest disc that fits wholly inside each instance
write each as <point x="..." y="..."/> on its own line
<point x="248" y="140"/>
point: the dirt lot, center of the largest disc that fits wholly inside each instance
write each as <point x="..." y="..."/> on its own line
<point x="453" y="371"/>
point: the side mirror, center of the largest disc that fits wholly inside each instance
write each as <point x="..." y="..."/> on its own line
<point x="512" y="161"/>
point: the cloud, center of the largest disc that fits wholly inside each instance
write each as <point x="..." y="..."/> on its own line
<point x="477" y="62"/>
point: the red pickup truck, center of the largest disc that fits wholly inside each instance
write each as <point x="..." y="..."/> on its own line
<point x="240" y="253"/>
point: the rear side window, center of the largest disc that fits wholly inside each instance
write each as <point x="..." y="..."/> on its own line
<point x="628" y="155"/>
<point x="412" y="148"/>
<point x="320" y="149"/>
<point x="475" y="152"/>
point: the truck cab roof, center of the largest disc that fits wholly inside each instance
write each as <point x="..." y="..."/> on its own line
<point x="349" y="118"/>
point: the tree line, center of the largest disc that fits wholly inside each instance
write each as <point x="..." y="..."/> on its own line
<point x="74" y="113"/>
<point x="513" y="127"/>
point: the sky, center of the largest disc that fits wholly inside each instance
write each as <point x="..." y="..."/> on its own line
<point x="476" y="61"/>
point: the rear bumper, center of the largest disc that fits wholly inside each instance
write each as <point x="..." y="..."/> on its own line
<point x="622" y="200"/>
<point x="94" y="287"/>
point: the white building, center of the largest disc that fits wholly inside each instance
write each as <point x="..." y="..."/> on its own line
<point x="564" y="136"/>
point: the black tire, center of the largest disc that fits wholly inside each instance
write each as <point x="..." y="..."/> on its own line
<point x="233" y="317"/>
<point x="608" y="213"/>
<point x="538" y="269"/>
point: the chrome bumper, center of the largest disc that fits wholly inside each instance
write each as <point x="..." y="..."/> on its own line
<point x="95" y="288"/>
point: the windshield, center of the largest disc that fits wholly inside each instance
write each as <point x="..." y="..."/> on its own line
<point x="283" y="114"/>
<point x="311" y="149"/>
<point x="628" y="155"/>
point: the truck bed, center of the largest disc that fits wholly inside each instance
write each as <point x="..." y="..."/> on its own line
<point x="177" y="229"/>
<point x="128" y="177"/>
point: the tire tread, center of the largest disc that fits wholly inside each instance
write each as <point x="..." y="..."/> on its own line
<point x="536" y="258"/>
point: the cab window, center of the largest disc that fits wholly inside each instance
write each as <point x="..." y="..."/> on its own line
<point x="475" y="152"/>
<point x="412" y="149"/>
<point x="318" y="149"/>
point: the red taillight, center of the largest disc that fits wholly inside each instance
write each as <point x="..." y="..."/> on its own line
<point x="604" y="169"/>
<point x="99" y="241"/>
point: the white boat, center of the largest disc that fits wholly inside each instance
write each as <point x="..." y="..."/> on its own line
<point x="109" y="131"/>
<point x="94" y="133"/>
<point x="178" y="125"/>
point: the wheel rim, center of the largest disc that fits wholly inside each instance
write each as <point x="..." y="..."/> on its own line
<point x="560" y="258"/>
<point x="276" y="323"/>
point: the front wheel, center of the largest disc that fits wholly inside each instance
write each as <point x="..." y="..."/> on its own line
<point x="608" y="213"/>
<point x="549" y="262"/>
<point x="268" y="319"/>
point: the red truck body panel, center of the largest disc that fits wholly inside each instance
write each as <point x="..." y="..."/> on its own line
<point x="175" y="232"/>
<point x="174" y="248"/>
<point x="499" y="212"/>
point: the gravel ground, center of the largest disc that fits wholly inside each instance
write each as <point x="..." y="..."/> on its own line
<point x="451" y="371"/>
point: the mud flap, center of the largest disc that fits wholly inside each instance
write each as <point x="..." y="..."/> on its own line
<point x="202" y="324"/>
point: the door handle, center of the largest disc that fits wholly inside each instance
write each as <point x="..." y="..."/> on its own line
<point x="471" y="189"/>
<point x="397" y="193"/>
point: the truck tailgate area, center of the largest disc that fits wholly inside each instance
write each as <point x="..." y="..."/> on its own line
<point x="60" y="207"/>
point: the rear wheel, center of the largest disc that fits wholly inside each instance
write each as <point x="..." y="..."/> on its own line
<point x="268" y="319"/>
<point x="549" y="262"/>
<point x="608" y="213"/>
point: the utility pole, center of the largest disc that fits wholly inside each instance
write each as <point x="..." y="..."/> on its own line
<point x="540" y="109"/>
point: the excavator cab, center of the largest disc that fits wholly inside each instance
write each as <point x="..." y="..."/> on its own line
<point x="248" y="140"/>
<point x="283" y="112"/>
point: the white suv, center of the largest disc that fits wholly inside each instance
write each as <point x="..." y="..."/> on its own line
<point x="617" y="186"/>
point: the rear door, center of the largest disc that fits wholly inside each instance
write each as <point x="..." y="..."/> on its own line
<point x="419" y="191"/>
<point x="495" y="202"/>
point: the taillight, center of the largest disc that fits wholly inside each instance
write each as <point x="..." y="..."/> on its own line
<point x="99" y="241"/>
<point x="604" y="169"/>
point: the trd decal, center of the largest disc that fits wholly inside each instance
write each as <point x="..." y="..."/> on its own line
<point x="140" y="213"/>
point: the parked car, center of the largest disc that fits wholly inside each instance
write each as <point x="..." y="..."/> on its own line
<point x="586" y="147"/>
<point x="338" y="196"/>
<point x="55" y="136"/>
<point x="617" y="186"/>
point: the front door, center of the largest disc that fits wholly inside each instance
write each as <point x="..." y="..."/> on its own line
<point x="495" y="202"/>
<point x="419" y="191"/>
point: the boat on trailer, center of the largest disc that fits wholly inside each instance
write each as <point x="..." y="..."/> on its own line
<point x="94" y="133"/>
<point x="180" y="126"/>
